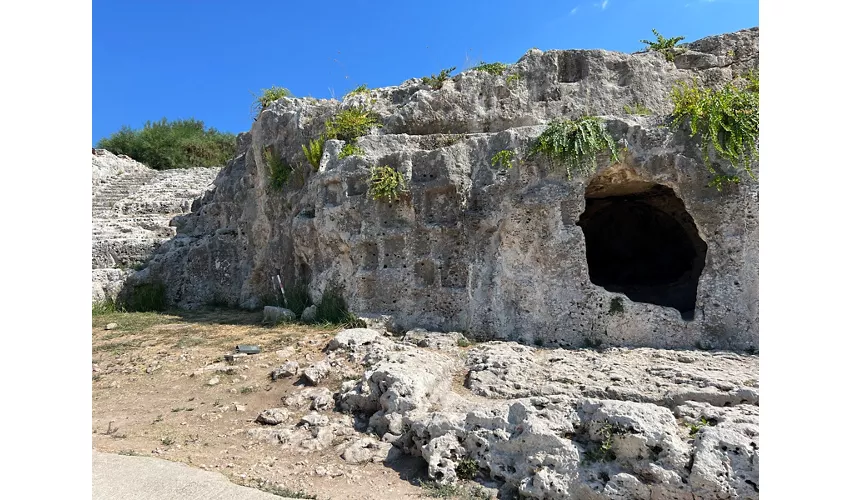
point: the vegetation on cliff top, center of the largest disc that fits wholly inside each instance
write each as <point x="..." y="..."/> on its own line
<point x="167" y="144"/>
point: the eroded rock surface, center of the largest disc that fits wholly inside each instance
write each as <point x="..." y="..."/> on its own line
<point x="682" y="430"/>
<point x="132" y="210"/>
<point x="475" y="248"/>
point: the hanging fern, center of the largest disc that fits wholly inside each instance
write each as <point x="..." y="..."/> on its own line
<point x="278" y="170"/>
<point x="386" y="184"/>
<point x="575" y="144"/>
<point x="726" y="120"/>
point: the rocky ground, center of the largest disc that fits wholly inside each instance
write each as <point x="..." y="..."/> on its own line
<point x="362" y="414"/>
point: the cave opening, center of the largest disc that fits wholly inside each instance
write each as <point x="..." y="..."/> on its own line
<point x="642" y="242"/>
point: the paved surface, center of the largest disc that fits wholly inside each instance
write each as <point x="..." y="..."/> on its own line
<point x="119" y="477"/>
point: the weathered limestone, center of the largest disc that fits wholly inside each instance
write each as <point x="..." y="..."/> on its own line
<point x="670" y="436"/>
<point x="488" y="252"/>
<point x="132" y="208"/>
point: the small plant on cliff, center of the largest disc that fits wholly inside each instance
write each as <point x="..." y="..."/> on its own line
<point x="351" y="123"/>
<point x="360" y="89"/>
<point x="350" y="150"/>
<point x="313" y="151"/>
<point x="575" y="144"/>
<point x="638" y="109"/>
<point x="268" y="96"/>
<point x="512" y="79"/>
<point x="167" y="144"/>
<point x="495" y="68"/>
<point x="726" y="120"/>
<point x="694" y="428"/>
<point x="667" y="46"/>
<point x="504" y="158"/>
<point x="603" y="452"/>
<point x="278" y="170"/>
<point x="467" y="468"/>
<point x="386" y="184"/>
<point x="436" y="81"/>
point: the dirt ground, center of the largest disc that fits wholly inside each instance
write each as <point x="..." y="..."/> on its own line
<point x="152" y="397"/>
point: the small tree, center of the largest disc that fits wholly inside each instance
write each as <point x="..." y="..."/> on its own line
<point x="666" y="46"/>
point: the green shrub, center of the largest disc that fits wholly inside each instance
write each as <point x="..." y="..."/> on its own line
<point x="351" y="123"/>
<point x="167" y="144"/>
<point x="436" y="81"/>
<point x="297" y="298"/>
<point x="467" y="468"/>
<point x="313" y="151"/>
<point x="726" y="120"/>
<point x="575" y="144"/>
<point x="268" y="96"/>
<point x="350" y="150"/>
<point x="666" y="46"/>
<point x="361" y="89"/>
<point x="495" y="68"/>
<point x="504" y="158"/>
<point x="278" y="170"/>
<point x="512" y="79"/>
<point x="146" y="297"/>
<point x="386" y="184"/>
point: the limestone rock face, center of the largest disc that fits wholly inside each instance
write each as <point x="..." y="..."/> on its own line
<point x="497" y="253"/>
<point x="132" y="210"/>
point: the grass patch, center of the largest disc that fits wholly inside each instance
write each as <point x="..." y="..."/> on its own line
<point x="131" y="321"/>
<point x="351" y="123"/>
<point x="386" y="184"/>
<point x="268" y="96"/>
<point x="575" y="144"/>
<point x="146" y="297"/>
<point x="463" y="343"/>
<point x="313" y="151"/>
<point x="666" y="46"/>
<point x="164" y="144"/>
<point x="495" y="68"/>
<point x="726" y="120"/>
<point x="104" y="307"/>
<point x="189" y="342"/>
<point x="436" y="81"/>
<point x="297" y="298"/>
<point x="350" y="150"/>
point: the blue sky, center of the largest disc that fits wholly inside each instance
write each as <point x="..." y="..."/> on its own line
<point x="203" y="59"/>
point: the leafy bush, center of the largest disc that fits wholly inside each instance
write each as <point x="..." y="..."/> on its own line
<point x="167" y="144"/>
<point x="351" y="123"/>
<point x="361" y="89"/>
<point x="727" y="120"/>
<point x="666" y="46"/>
<point x="504" y="158"/>
<point x="495" y="68"/>
<point x="278" y="170"/>
<point x="268" y="96"/>
<point x="467" y="468"/>
<point x="436" y="81"/>
<point x="313" y="151"/>
<point x="575" y="143"/>
<point x="386" y="184"/>
<point x="145" y="298"/>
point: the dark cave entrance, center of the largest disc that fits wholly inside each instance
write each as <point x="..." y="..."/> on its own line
<point x="642" y="242"/>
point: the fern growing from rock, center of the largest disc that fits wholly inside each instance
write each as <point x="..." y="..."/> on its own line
<point x="575" y="144"/>
<point x="386" y="184"/>
<point x="726" y="120"/>
<point x="313" y="151"/>
<point x="351" y="123"/>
